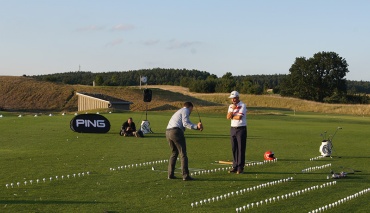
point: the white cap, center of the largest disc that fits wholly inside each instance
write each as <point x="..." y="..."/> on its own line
<point x="234" y="94"/>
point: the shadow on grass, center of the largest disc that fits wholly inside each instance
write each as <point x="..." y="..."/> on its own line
<point x="349" y="157"/>
<point x="269" y="108"/>
<point x="202" y="135"/>
<point x="47" y="202"/>
<point x="193" y="135"/>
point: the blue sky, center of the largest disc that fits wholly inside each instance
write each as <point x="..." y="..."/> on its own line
<point x="217" y="36"/>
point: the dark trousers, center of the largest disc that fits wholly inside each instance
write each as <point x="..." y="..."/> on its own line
<point x="238" y="146"/>
<point x="177" y="142"/>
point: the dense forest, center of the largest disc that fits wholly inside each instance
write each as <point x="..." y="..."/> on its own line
<point x="195" y="80"/>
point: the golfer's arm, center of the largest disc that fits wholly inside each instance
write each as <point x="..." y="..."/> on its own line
<point x="237" y="117"/>
<point x="187" y="123"/>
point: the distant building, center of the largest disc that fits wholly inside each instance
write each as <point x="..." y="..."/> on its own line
<point x="89" y="101"/>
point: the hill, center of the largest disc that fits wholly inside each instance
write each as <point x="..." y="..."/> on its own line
<point x="27" y="94"/>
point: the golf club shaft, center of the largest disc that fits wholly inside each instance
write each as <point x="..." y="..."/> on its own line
<point x="198" y="116"/>
<point x="337" y="130"/>
<point x="200" y="120"/>
<point x="332" y="147"/>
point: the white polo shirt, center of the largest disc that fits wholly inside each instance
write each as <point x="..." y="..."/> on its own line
<point x="240" y="109"/>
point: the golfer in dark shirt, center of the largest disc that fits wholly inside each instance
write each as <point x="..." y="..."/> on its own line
<point x="176" y="139"/>
<point x="128" y="128"/>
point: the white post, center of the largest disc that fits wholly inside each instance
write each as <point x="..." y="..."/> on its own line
<point x="140" y="81"/>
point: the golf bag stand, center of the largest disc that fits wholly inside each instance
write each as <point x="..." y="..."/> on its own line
<point x="145" y="124"/>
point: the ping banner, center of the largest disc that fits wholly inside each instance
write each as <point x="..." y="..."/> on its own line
<point x="90" y="123"/>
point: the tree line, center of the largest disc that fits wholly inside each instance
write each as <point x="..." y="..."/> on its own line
<point x="195" y="80"/>
<point x="320" y="78"/>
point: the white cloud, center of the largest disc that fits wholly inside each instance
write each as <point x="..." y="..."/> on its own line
<point x="89" y="28"/>
<point x="173" y="44"/>
<point x="151" y="42"/>
<point x="115" y="42"/>
<point x="123" y="27"/>
<point x="118" y="27"/>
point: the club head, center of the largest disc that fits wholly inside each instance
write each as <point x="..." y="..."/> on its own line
<point x="339" y="127"/>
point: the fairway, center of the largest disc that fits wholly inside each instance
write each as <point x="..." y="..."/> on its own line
<point x="46" y="167"/>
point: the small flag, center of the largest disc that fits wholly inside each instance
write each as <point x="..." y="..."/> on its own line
<point x="143" y="79"/>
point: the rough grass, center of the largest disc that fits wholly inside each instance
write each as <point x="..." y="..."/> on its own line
<point x="278" y="102"/>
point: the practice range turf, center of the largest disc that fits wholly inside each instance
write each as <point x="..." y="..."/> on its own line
<point x="46" y="167"/>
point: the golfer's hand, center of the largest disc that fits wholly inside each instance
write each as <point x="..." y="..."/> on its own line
<point x="229" y="115"/>
<point x="200" y="126"/>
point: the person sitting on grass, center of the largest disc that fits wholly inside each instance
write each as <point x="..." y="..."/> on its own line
<point x="128" y="128"/>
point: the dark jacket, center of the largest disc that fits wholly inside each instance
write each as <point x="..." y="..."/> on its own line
<point x="126" y="124"/>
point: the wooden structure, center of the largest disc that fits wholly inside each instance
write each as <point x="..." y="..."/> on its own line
<point x="89" y="101"/>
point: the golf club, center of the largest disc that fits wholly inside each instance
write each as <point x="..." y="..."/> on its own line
<point x="198" y="115"/>
<point x="348" y="170"/>
<point x="324" y="135"/>
<point x="338" y="128"/>
<point x="331" y="141"/>
<point x="200" y="120"/>
<point x="332" y="147"/>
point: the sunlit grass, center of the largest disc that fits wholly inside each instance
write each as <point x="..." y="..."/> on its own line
<point x="42" y="147"/>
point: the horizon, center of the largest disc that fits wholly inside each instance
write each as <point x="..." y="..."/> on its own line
<point x="240" y="37"/>
<point x="159" y="68"/>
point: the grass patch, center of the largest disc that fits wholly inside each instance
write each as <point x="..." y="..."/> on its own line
<point x="42" y="147"/>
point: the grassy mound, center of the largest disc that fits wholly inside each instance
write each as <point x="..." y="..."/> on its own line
<point x="26" y="94"/>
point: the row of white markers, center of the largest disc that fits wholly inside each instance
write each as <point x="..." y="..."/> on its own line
<point x="19" y="116"/>
<point x="135" y="165"/>
<point x="240" y="192"/>
<point x="228" y="168"/>
<point x="314" y="168"/>
<point x="316" y="158"/>
<point x="44" y="180"/>
<point x="340" y="201"/>
<point x="282" y="197"/>
<point x="151" y="163"/>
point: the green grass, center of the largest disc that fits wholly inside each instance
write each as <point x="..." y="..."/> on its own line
<point x="42" y="147"/>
